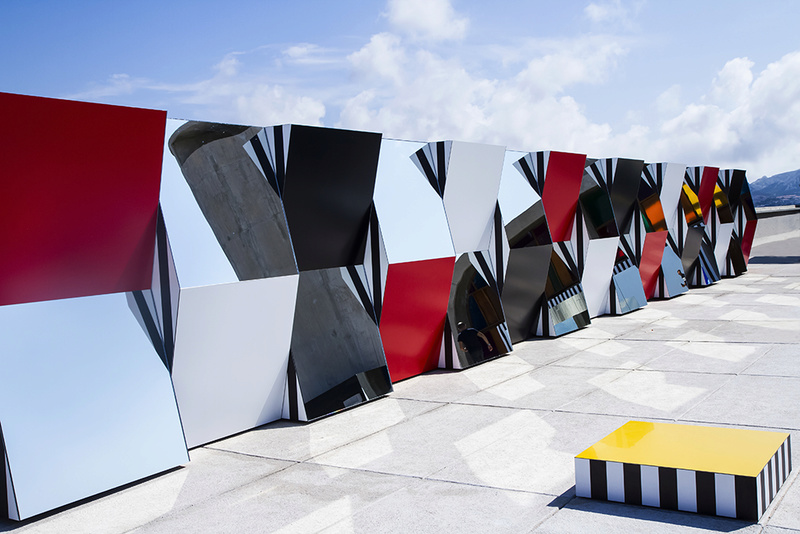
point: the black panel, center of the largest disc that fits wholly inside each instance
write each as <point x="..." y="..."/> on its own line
<point x="599" y="481"/>
<point x="334" y="340"/>
<point x="526" y="277"/>
<point x="597" y="209"/>
<point x="151" y="329"/>
<point x="529" y="228"/>
<point x="243" y="210"/>
<point x="330" y="178"/>
<point x="3" y="489"/>
<point x="668" y="487"/>
<point x="625" y="191"/>
<point x="746" y="499"/>
<point x="355" y="390"/>
<point x="633" y="483"/>
<point x="706" y="493"/>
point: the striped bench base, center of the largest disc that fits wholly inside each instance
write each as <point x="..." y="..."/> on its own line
<point x="717" y="471"/>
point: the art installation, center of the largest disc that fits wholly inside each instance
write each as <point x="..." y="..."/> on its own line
<point x="169" y="283"/>
<point x="680" y="467"/>
<point x="659" y="204"/>
<point x="556" y="178"/>
<point x="698" y="255"/>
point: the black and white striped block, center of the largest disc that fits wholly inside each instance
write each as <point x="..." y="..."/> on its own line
<point x="689" y="490"/>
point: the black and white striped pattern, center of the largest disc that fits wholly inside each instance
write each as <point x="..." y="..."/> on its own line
<point x="533" y="167"/>
<point x="564" y="295"/>
<point x="269" y="150"/>
<point x="156" y="309"/>
<point x="623" y="265"/>
<point x="432" y="161"/>
<point x="703" y="492"/>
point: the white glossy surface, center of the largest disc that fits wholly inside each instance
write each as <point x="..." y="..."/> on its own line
<point x="410" y="212"/>
<point x="231" y="354"/>
<point x="672" y="182"/>
<point x="86" y="404"/>
<point x="597" y="272"/>
<point x="470" y="193"/>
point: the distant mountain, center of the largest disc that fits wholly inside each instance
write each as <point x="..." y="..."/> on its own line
<point x="778" y="190"/>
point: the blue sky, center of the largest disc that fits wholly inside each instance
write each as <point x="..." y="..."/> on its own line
<point x="702" y="83"/>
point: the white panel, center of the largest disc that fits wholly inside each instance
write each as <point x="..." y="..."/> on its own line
<point x="583" y="478"/>
<point x="198" y="256"/>
<point x="470" y="193"/>
<point x="725" y="491"/>
<point x="723" y="242"/>
<point x="650" y="492"/>
<point x="85" y="402"/>
<point x="774" y="470"/>
<point x="12" y="501"/>
<point x="687" y="490"/>
<point x="597" y="272"/>
<point x="231" y="355"/>
<point x="671" y="185"/>
<point x="410" y="212"/>
<point x="516" y="194"/>
<point x="615" y="481"/>
<point x="758" y="495"/>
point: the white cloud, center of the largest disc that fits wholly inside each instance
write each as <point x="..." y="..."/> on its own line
<point x="433" y="20"/>
<point x="745" y="120"/>
<point x="227" y="96"/>
<point x="606" y="11"/>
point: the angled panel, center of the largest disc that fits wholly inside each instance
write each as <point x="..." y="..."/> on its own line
<point x="86" y="404"/>
<point x="470" y="193"/>
<point x="410" y="211"/>
<point x="199" y="257"/>
<point x="80" y="220"/>
<point x="414" y="309"/>
<point x="327" y="196"/>
<point x="336" y="345"/>
<point x="231" y="356"/>
<point x="243" y="210"/>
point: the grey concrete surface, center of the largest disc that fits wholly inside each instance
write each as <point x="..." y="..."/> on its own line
<point x="491" y="448"/>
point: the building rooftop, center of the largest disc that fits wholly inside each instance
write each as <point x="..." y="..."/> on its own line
<point x="491" y="448"/>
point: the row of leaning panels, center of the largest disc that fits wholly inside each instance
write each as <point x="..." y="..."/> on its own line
<point x="168" y="283"/>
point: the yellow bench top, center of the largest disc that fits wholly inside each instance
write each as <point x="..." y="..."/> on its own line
<point x="731" y="451"/>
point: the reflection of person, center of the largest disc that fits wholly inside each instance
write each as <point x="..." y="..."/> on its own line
<point x="470" y="339"/>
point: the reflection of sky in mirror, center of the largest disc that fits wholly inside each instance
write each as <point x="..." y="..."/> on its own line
<point x="516" y="194"/>
<point x="85" y="402"/>
<point x="411" y="215"/>
<point x="199" y="259"/>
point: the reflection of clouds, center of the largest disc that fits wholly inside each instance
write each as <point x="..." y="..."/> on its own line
<point x="648" y="388"/>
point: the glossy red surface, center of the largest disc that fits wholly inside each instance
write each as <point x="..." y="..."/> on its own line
<point x="412" y="319"/>
<point x="561" y="189"/>
<point x="747" y="239"/>
<point x="79" y="193"/>
<point x="650" y="263"/>
<point x="706" y="194"/>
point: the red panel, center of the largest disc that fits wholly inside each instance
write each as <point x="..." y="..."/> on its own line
<point x="650" y="263"/>
<point x="562" y="187"/>
<point x="78" y="195"/>
<point x="747" y="239"/>
<point x="412" y="319"/>
<point x="706" y="194"/>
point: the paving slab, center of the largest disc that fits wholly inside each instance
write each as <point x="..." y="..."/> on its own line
<point x="298" y="441"/>
<point x="617" y="353"/>
<point x="709" y="357"/>
<point x="648" y="394"/>
<point x="766" y="401"/>
<point x="780" y="360"/>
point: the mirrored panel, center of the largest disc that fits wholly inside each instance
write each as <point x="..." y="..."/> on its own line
<point x="86" y="404"/>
